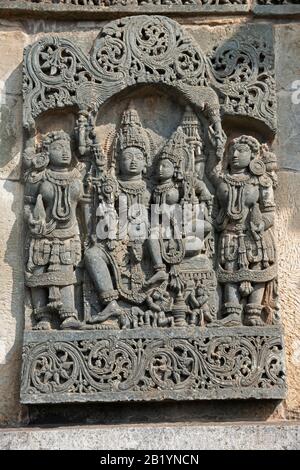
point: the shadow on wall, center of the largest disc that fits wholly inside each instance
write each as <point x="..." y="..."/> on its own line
<point x="167" y="412"/>
<point x="12" y="242"/>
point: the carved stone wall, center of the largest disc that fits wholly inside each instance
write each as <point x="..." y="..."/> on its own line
<point x="123" y="264"/>
<point x="146" y="112"/>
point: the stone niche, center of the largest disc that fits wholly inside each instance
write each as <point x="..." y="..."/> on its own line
<point x="151" y="265"/>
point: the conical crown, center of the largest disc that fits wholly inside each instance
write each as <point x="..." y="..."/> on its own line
<point x="174" y="148"/>
<point x="131" y="133"/>
<point x="190" y="124"/>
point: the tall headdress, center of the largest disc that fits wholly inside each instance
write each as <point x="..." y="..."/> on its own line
<point x="191" y="128"/>
<point x="132" y="134"/>
<point x="175" y="150"/>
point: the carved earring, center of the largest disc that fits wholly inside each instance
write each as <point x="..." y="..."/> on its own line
<point x="257" y="167"/>
<point x="144" y="171"/>
<point x="41" y="160"/>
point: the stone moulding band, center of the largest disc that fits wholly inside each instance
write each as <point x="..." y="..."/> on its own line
<point x="108" y="9"/>
<point x="216" y="363"/>
<point x="103" y="7"/>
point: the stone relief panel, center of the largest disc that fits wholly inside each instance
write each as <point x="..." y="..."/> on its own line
<point x="150" y="257"/>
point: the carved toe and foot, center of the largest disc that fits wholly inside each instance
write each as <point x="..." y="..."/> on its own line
<point x="43" y="325"/>
<point x="158" y="277"/>
<point x="232" y="314"/>
<point x="43" y="318"/>
<point x="254" y="321"/>
<point x="253" y="315"/>
<point x="112" y="310"/>
<point x="108" y="325"/>
<point x="70" y="323"/>
<point x="231" y="320"/>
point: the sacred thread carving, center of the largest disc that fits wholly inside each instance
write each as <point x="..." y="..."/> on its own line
<point x="52" y="192"/>
<point x="244" y="219"/>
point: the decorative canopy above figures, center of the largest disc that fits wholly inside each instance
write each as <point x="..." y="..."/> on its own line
<point x="151" y="258"/>
<point x="236" y="79"/>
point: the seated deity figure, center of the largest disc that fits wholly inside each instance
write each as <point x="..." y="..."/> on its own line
<point x="170" y="241"/>
<point x="165" y="242"/>
<point x="52" y="193"/>
<point x="129" y="208"/>
<point x="245" y="217"/>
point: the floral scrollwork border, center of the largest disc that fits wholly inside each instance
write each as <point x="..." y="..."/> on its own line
<point x="116" y="368"/>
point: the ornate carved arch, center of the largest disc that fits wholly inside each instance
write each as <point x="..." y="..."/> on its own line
<point x="236" y="80"/>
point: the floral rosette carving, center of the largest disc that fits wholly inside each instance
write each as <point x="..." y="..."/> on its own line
<point x="172" y="364"/>
<point x="54" y="368"/>
<point x="110" y="366"/>
<point x="232" y="363"/>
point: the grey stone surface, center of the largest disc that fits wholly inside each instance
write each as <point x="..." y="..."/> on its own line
<point x="287" y="69"/>
<point x="235" y="436"/>
<point x="287" y="232"/>
<point x="288" y="140"/>
<point x="289" y="9"/>
<point x="73" y="11"/>
<point x="11" y="298"/>
<point x="98" y="271"/>
<point x="172" y="363"/>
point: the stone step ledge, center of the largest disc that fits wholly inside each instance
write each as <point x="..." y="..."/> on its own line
<point x="221" y="436"/>
<point x="21" y="8"/>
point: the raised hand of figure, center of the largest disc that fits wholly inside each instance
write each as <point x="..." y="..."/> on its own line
<point x="218" y="141"/>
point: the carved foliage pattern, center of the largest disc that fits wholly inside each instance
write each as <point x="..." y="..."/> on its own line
<point x="148" y="50"/>
<point x="111" y="365"/>
<point x="245" y="62"/>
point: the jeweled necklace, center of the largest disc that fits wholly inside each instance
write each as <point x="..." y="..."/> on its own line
<point x="236" y="198"/>
<point x="132" y="187"/>
<point x="238" y="179"/>
<point x="61" y="209"/>
<point x="164" y="187"/>
<point x="62" y="178"/>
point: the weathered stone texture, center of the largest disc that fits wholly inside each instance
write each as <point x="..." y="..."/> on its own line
<point x="12" y="43"/>
<point x="244" y="436"/>
<point x="11" y="299"/>
<point x="288" y="197"/>
<point x="287" y="66"/>
<point x="288" y="236"/>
